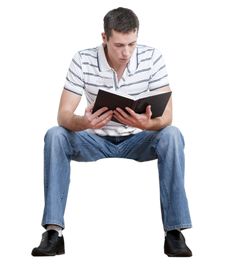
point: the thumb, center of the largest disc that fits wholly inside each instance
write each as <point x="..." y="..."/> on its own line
<point x="149" y="112"/>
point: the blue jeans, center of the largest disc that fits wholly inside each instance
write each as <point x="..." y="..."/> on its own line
<point x="166" y="145"/>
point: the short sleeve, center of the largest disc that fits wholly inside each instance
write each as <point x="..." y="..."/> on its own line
<point x="74" y="79"/>
<point x="159" y="76"/>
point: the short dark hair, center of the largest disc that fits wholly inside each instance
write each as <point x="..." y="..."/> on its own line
<point x="121" y="20"/>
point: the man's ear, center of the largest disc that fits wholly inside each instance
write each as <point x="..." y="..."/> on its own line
<point x="104" y="38"/>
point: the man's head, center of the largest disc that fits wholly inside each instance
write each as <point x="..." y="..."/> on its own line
<point x="120" y="36"/>
<point x="121" y="20"/>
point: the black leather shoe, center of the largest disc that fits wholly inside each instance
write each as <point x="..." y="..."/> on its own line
<point x="51" y="245"/>
<point x="175" y="245"/>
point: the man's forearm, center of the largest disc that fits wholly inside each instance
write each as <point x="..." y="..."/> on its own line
<point x="71" y="121"/>
<point x="158" y="123"/>
<point x="163" y="121"/>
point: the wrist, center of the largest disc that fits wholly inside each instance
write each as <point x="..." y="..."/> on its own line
<point x="154" y="124"/>
<point x="149" y="125"/>
<point x="81" y="123"/>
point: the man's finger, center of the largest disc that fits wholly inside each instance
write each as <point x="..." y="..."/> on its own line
<point x="99" y="112"/>
<point x="149" y="111"/>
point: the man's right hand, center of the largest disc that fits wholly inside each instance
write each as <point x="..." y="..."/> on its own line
<point x="69" y="120"/>
<point x="97" y="119"/>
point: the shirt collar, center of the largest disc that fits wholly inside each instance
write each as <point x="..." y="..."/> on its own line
<point x="104" y="66"/>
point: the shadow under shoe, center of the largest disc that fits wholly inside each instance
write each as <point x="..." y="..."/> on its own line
<point x="51" y="245"/>
<point x="175" y="245"/>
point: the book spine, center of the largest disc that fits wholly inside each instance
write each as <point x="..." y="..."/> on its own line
<point x="135" y="102"/>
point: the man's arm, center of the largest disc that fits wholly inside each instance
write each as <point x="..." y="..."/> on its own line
<point x="166" y="118"/>
<point x="163" y="121"/>
<point x="144" y="121"/>
<point x="67" y="119"/>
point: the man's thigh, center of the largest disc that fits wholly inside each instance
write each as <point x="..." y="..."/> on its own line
<point x="90" y="147"/>
<point x="141" y="147"/>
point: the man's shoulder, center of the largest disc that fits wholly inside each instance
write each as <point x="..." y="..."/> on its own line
<point x="147" y="51"/>
<point x="89" y="51"/>
<point x="85" y="53"/>
<point x="144" y="47"/>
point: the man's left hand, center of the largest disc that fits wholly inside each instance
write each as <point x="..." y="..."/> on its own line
<point x="133" y="119"/>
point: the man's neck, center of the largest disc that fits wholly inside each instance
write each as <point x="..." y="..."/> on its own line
<point x="119" y="69"/>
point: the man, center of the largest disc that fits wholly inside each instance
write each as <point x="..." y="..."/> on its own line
<point x="118" y="65"/>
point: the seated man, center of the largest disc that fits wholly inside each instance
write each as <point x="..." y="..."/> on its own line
<point x="118" y="65"/>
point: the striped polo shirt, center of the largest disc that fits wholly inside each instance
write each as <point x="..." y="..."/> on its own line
<point x="89" y="71"/>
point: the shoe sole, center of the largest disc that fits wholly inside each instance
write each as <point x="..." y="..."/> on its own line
<point x="178" y="255"/>
<point x="42" y="254"/>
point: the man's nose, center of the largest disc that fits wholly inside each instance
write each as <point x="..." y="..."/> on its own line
<point x="125" y="52"/>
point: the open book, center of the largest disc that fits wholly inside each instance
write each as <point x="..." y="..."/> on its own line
<point x="158" y="101"/>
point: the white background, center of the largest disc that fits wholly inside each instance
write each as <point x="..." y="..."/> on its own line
<point x="114" y="225"/>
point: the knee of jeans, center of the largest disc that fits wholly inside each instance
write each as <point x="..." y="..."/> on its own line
<point x="56" y="132"/>
<point x="173" y="133"/>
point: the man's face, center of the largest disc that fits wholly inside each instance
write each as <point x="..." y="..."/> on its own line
<point x="120" y="47"/>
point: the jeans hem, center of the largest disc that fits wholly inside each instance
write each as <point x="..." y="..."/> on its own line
<point x="181" y="227"/>
<point x="51" y="222"/>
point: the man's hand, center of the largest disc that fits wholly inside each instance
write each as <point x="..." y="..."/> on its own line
<point x="97" y="119"/>
<point x="134" y="119"/>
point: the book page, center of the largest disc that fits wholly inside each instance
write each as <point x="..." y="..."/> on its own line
<point x="121" y="93"/>
<point x="149" y="93"/>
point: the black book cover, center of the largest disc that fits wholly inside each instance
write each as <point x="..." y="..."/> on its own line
<point x="158" y="102"/>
